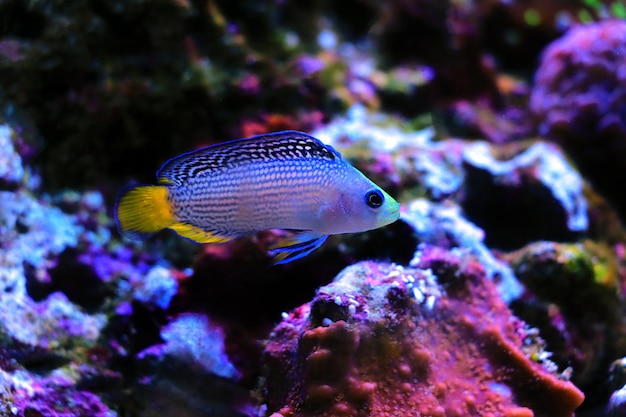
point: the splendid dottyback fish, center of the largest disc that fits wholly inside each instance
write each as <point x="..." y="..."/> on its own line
<point x="284" y="180"/>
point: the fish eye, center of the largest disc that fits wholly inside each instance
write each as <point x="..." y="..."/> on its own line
<point x="374" y="198"/>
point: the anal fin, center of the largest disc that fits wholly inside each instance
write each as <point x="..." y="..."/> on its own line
<point x="199" y="235"/>
<point x="296" y="247"/>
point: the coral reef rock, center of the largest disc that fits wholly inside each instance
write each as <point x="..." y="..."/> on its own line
<point x="433" y="339"/>
<point x="190" y="374"/>
<point x="43" y="340"/>
<point x="579" y="99"/>
<point x="580" y="84"/>
<point x="543" y="164"/>
<point x="572" y="296"/>
<point x="444" y="225"/>
<point x="517" y="193"/>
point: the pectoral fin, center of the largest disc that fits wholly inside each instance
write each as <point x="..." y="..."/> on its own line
<point x="296" y="247"/>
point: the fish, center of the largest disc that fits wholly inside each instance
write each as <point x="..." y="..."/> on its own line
<point x="283" y="180"/>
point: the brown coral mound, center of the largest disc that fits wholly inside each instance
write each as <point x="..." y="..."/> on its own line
<point x="383" y="340"/>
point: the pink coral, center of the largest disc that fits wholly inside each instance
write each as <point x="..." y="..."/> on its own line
<point x="434" y="340"/>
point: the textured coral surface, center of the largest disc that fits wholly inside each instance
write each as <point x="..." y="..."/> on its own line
<point x="432" y="340"/>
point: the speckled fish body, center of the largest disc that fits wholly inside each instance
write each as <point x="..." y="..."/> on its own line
<point x="284" y="180"/>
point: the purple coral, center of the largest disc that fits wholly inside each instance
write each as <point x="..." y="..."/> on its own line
<point x="59" y="402"/>
<point x="579" y="99"/>
<point x="195" y="338"/>
<point x="580" y="86"/>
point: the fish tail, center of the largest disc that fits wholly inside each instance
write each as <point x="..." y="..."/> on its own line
<point x="143" y="210"/>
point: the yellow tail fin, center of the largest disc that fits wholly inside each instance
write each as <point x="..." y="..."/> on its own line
<point x="143" y="210"/>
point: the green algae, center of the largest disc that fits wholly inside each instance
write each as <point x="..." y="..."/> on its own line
<point x="618" y="10"/>
<point x="532" y="17"/>
<point x="571" y="275"/>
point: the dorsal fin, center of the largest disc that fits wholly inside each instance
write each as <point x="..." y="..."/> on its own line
<point x="288" y="144"/>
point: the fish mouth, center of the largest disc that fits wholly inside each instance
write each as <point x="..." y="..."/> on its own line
<point x="395" y="214"/>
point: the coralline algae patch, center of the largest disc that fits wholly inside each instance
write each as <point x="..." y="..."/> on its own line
<point x="430" y="340"/>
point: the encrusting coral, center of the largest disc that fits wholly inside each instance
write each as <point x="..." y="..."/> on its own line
<point x="433" y="339"/>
